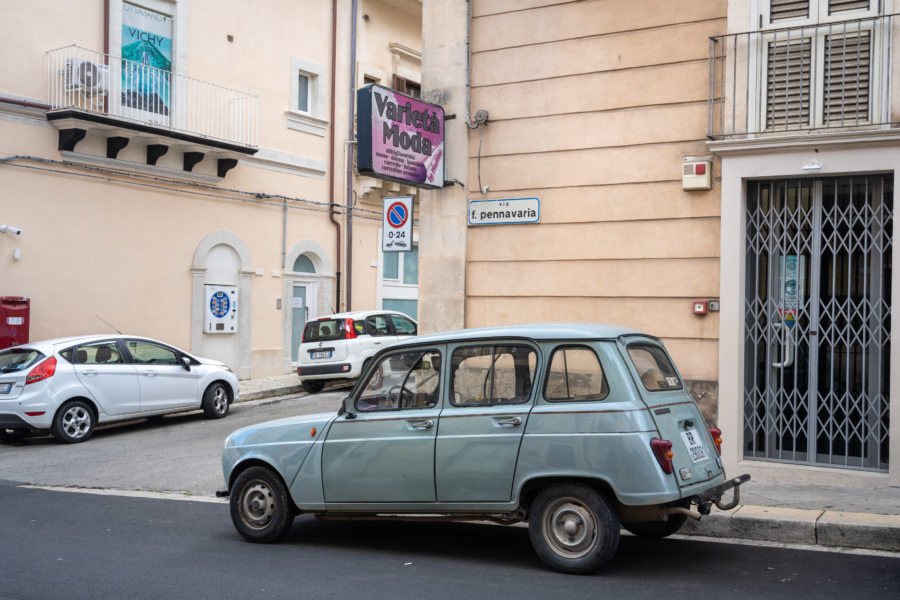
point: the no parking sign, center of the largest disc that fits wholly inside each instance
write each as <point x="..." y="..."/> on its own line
<point x="397" y="232"/>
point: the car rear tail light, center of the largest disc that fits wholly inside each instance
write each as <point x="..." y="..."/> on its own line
<point x="43" y="370"/>
<point x="717" y="438"/>
<point x="349" y="330"/>
<point x="662" y="450"/>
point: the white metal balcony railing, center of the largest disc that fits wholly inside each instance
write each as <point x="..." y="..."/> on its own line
<point x="84" y="80"/>
<point x="801" y="79"/>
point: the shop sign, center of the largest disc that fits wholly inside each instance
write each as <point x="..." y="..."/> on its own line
<point x="397" y="224"/>
<point x="792" y="278"/>
<point x="399" y="138"/>
<point x="504" y="212"/>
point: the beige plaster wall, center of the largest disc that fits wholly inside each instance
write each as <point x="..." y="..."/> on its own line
<point x="99" y="243"/>
<point x="593" y="106"/>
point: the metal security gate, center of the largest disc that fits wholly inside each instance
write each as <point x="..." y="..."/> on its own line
<point x="818" y="320"/>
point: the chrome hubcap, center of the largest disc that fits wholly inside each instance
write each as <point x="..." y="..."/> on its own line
<point x="257" y="505"/>
<point x="570" y="528"/>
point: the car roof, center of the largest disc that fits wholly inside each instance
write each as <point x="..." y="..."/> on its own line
<point x="83" y="339"/>
<point x="534" y="331"/>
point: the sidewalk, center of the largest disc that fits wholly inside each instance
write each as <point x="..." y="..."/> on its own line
<point x="802" y="513"/>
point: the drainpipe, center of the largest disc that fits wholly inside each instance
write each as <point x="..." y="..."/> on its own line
<point x="337" y="223"/>
<point x="350" y="141"/>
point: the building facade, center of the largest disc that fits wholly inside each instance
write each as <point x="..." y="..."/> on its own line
<point x="181" y="169"/>
<point x="718" y="174"/>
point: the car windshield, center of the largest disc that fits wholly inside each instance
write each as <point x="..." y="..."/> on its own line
<point x="326" y="329"/>
<point x="18" y="359"/>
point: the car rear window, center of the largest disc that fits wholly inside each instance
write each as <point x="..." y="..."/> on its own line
<point x="654" y="368"/>
<point x="326" y="329"/>
<point x="18" y="359"/>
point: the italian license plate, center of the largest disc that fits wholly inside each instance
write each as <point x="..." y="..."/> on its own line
<point x="320" y="354"/>
<point x="694" y="445"/>
<point x="5" y="387"/>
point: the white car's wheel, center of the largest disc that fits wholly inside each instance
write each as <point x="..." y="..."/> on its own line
<point x="73" y="422"/>
<point x="215" y="401"/>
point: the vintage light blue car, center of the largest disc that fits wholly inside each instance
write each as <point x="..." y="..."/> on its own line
<point x="575" y="428"/>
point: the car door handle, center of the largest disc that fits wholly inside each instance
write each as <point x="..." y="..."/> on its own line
<point x="514" y="421"/>
<point x="89" y="373"/>
<point x="422" y="424"/>
<point x="150" y="373"/>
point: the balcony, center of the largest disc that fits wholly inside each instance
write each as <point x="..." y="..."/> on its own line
<point x="103" y="98"/>
<point x="801" y="80"/>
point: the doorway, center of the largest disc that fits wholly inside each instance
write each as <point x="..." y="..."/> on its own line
<point x="817" y="321"/>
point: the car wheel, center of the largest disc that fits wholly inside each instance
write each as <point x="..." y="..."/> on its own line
<point x="215" y="401"/>
<point x="13" y="435"/>
<point x="73" y="422"/>
<point x="572" y="528"/>
<point x="313" y="386"/>
<point x="659" y="529"/>
<point x="260" y="506"/>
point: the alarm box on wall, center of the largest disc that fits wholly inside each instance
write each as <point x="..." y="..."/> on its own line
<point x="696" y="173"/>
<point x="221" y="309"/>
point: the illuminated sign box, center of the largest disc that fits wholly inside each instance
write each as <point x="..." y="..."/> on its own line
<point x="399" y="138"/>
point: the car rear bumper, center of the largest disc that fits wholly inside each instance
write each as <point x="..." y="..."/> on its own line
<point x="8" y="421"/>
<point x="326" y="371"/>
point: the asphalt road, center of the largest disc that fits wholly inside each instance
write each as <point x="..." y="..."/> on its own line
<point x="77" y="545"/>
<point x="177" y="453"/>
<point x="62" y="544"/>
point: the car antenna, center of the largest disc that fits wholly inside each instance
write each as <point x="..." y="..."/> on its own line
<point x="105" y="321"/>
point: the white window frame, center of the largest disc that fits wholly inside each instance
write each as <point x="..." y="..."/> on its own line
<point x="756" y="115"/>
<point x="394" y="289"/>
<point x="311" y="121"/>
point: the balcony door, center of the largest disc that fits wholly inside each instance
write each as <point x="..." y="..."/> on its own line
<point x="817" y="321"/>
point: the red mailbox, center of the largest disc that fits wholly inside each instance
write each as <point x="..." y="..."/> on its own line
<point x="14" y="311"/>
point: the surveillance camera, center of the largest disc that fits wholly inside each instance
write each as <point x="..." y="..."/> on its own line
<point x="11" y="229"/>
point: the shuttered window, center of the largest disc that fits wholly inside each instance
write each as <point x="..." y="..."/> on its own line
<point x="789" y="9"/>
<point x="788" y="73"/>
<point x="835" y="6"/>
<point x="847" y="77"/>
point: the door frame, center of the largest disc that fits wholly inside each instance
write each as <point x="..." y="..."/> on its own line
<point x="841" y="154"/>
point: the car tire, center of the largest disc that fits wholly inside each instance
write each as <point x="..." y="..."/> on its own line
<point x="73" y="422"/>
<point x="659" y="529"/>
<point x="313" y="386"/>
<point x="14" y="435"/>
<point x="261" y="509"/>
<point x="572" y="528"/>
<point x="215" y="401"/>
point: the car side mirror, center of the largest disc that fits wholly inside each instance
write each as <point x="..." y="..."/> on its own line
<point x="347" y="408"/>
<point x="186" y="362"/>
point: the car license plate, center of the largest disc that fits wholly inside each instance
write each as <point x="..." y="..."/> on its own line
<point x="694" y="445"/>
<point x="320" y="354"/>
<point x="5" y="387"/>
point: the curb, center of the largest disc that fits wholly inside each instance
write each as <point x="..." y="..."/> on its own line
<point x="269" y="393"/>
<point x="802" y="526"/>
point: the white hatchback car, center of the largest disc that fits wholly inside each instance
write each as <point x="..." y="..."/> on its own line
<point x="69" y="385"/>
<point x="339" y="346"/>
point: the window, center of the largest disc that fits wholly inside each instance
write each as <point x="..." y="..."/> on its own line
<point x="325" y="330"/>
<point x="99" y="354"/>
<point x="378" y="325"/>
<point x="488" y="375"/>
<point x="405" y="380"/>
<point x="575" y="374"/>
<point x="407" y="86"/>
<point x="403" y="326"/>
<point x="302" y="92"/>
<point x="145" y="353"/>
<point x="303" y="264"/>
<point x="654" y="367"/>
<point x="821" y="63"/>
<point x="306" y="110"/>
